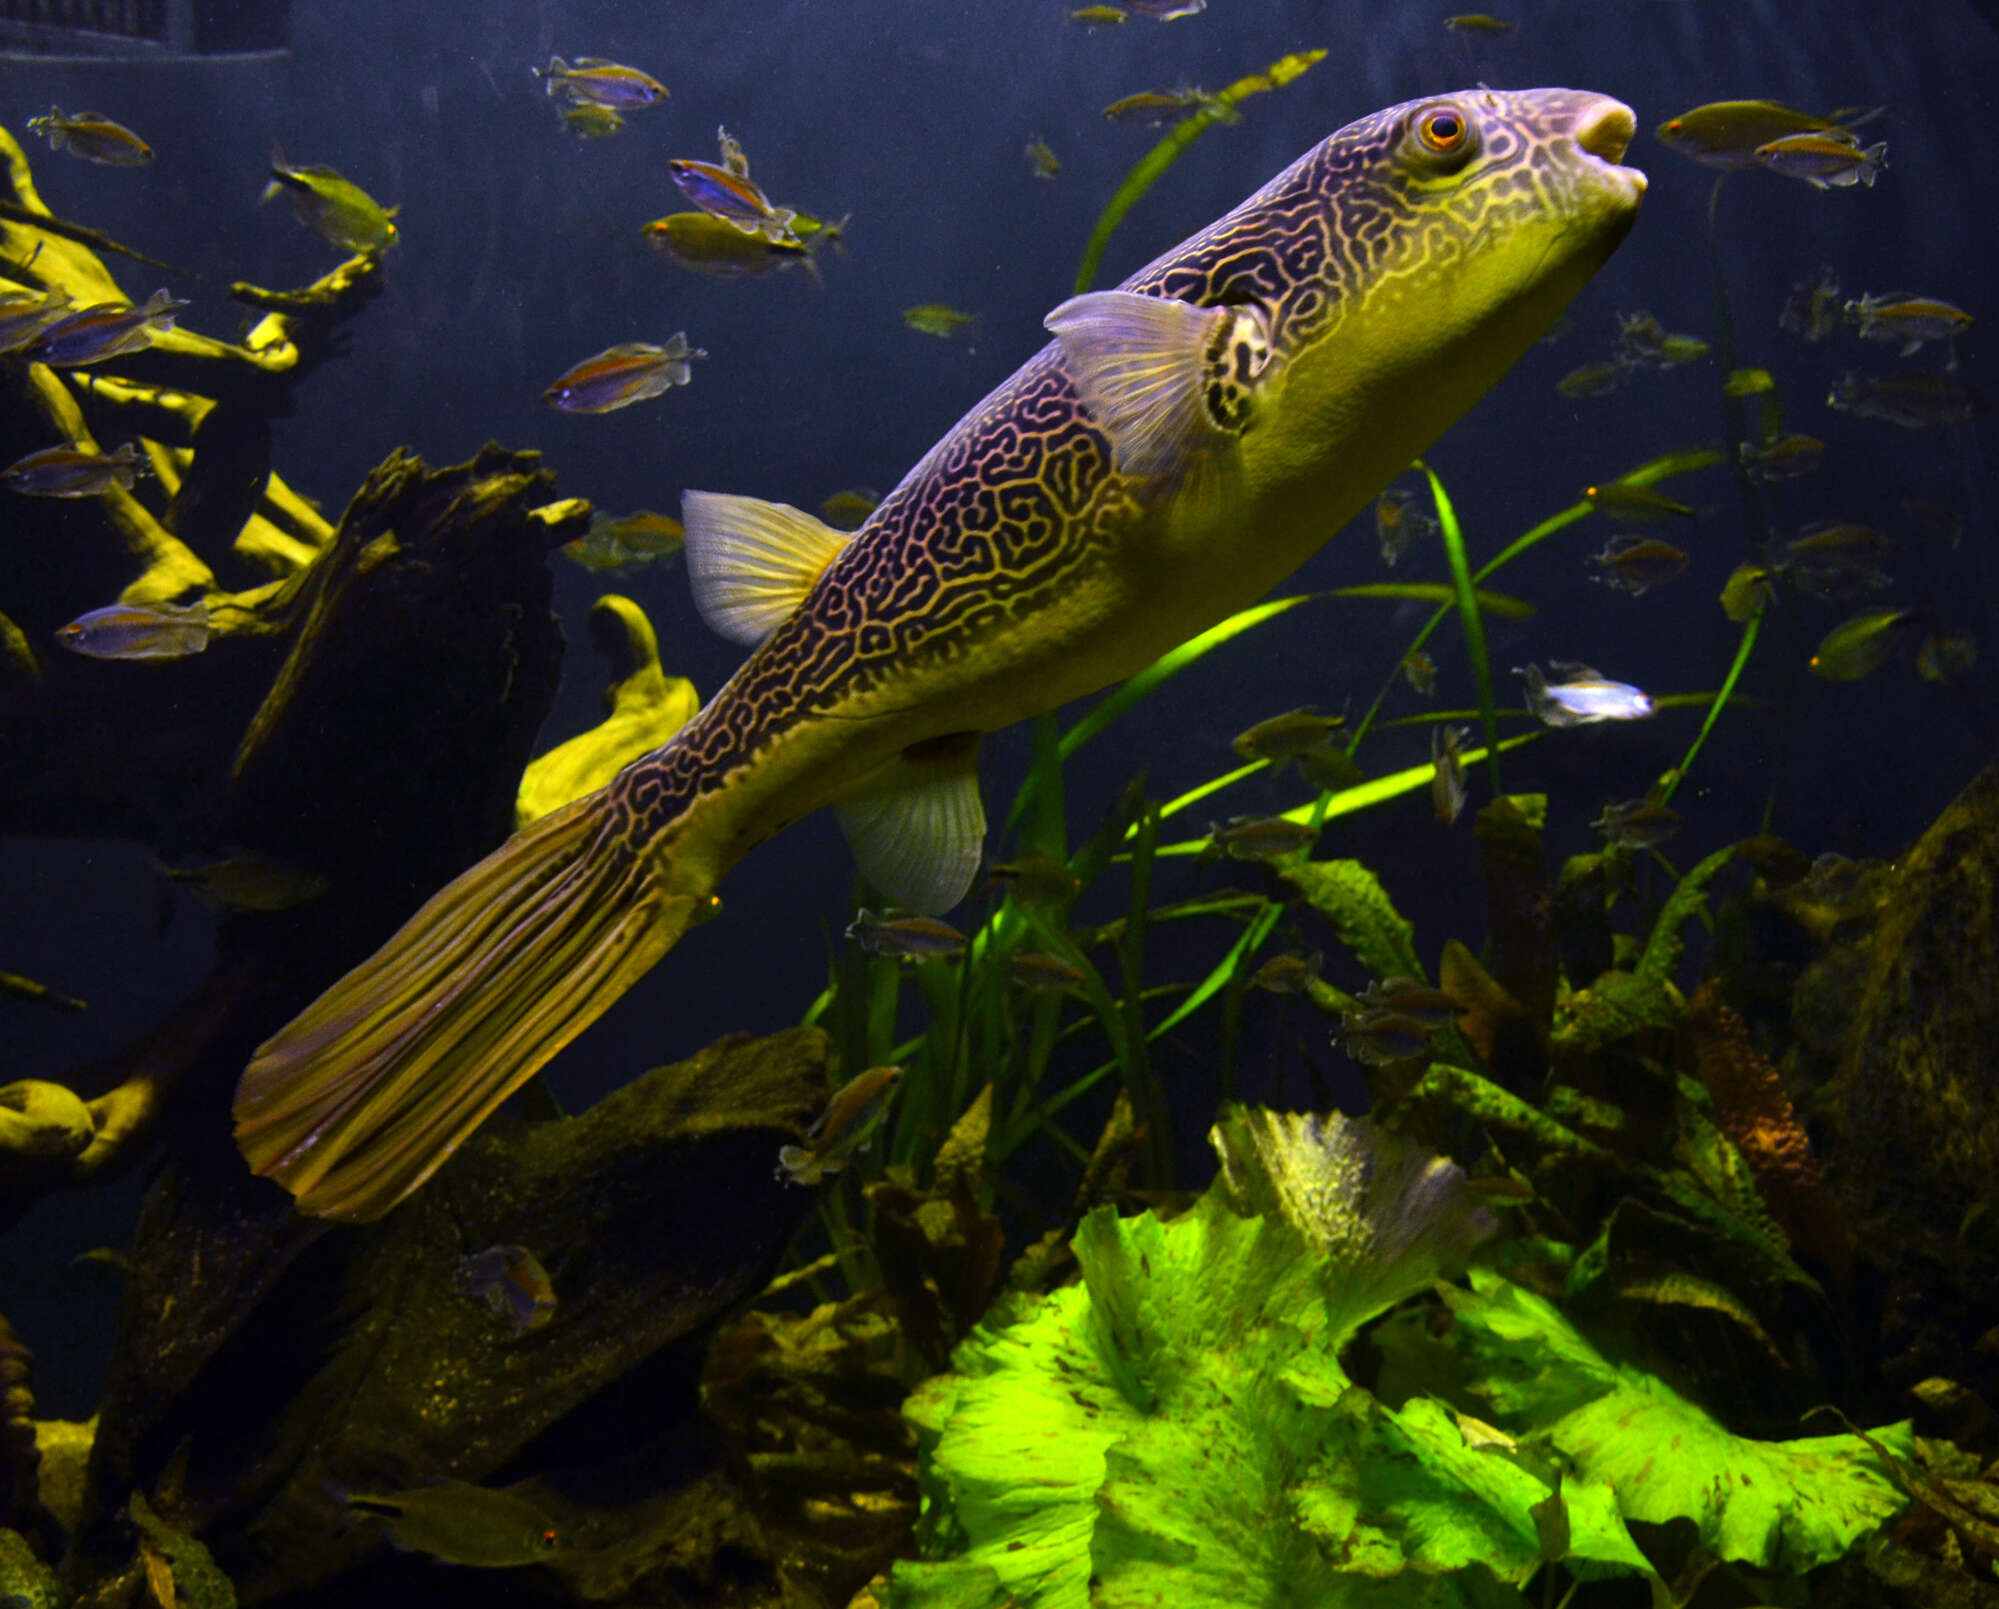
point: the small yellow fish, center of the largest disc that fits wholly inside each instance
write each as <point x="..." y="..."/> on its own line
<point x="938" y="319"/>
<point x="1477" y="22"/>
<point x="589" y="121"/>
<point x="479" y="1526"/>
<point x="1745" y="593"/>
<point x="1591" y="380"/>
<point x="1727" y="134"/>
<point x="1283" y="738"/>
<point x="847" y="1124"/>
<point x="1098" y="16"/>
<point x="706" y="244"/>
<point x="1634" y="502"/>
<point x="1823" y="161"/>
<point x="1861" y="645"/>
<point x="848" y="510"/>
<point x="609" y="84"/>
<point x="623" y="374"/>
<point x="1259" y="838"/>
<point x="335" y="208"/>
<point x="1156" y="108"/>
<point x="1042" y="161"/>
<point x="1329" y="768"/>
<point x="512" y="1283"/>
<point x="94" y="138"/>
<point x="1748" y="383"/>
<point x="626" y="541"/>
<point x="914" y="937"/>
<point x="137" y="631"/>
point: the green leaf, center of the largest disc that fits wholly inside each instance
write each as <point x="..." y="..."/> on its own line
<point x="1470" y="619"/>
<point x="1351" y="897"/>
<point x="1492" y="1106"/>
<point x="1789" y="1506"/>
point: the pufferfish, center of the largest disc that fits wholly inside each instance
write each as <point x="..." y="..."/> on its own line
<point x="1183" y="443"/>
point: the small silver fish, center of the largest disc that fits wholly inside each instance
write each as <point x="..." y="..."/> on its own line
<point x="917" y="937"/>
<point x="1258" y="838"/>
<point x="1582" y="698"/>
<point x="138" y="631"/>
<point x="624" y="374"/>
<point x="1637" y="824"/>
<point x="847" y="1124"/>
<point x="67" y="470"/>
<point x="1448" y="790"/>
<point x="596" y="82"/>
<point x="1399" y="524"/>
<point x="92" y="137"/>
<point x="1812" y="309"/>
<point x="110" y="330"/>
<point x="1786" y="458"/>
<point x="1823" y="161"/>
<point x="512" y="1283"/>
<point x="1907" y="320"/>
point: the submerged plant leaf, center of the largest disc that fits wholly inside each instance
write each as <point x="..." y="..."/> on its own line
<point x="1351" y="897"/>
<point x="1138" y="1439"/>
<point x="1790" y="1505"/>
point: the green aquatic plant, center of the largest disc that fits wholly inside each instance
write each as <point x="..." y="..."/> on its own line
<point x="1179" y="1428"/>
<point x="1466" y="599"/>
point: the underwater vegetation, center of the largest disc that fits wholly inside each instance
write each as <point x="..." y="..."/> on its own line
<point x="1658" y="1270"/>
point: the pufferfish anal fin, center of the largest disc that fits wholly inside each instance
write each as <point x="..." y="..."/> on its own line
<point x="918" y="829"/>
<point x="1168" y="382"/>
<point x="752" y="562"/>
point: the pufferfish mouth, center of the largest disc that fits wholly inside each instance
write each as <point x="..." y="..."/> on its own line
<point x="1604" y="130"/>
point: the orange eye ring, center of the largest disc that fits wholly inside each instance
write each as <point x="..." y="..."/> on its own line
<point x="1443" y="130"/>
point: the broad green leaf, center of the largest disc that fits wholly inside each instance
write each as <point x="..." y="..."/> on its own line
<point x="1351" y="897"/>
<point x="1789" y="1506"/>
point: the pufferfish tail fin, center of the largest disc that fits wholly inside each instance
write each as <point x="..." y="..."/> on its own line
<point x="363" y="1095"/>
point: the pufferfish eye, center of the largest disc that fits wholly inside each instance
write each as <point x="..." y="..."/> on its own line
<point x="1444" y="131"/>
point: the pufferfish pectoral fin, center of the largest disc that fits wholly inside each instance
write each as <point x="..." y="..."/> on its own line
<point x="752" y="562"/>
<point x="918" y="830"/>
<point x="1168" y="382"/>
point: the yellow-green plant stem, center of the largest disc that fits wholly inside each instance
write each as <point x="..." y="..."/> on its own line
<point x="1468" y="617"/>
<point x="1743" y="649"/>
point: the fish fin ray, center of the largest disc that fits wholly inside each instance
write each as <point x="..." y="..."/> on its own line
<point x="918" y="833"/>
<point x="360" y="1098"/>
<point x="1157" y="375"/>
<point x="752" y="562"/>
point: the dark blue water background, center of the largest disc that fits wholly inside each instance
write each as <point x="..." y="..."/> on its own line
<point x="520" y="253"/>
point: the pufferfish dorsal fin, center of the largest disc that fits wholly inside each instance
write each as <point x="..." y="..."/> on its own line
<point x="918" y="829"/>
<point x="752" y="562"/>
<point x="1165" y="380"/>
